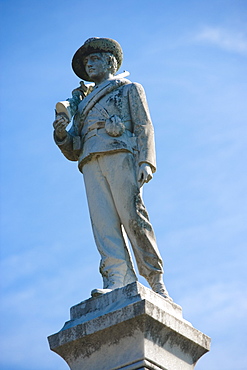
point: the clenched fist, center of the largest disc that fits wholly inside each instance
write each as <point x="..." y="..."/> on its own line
<point x="60" y="124"/>
<point x="145" y="174"/>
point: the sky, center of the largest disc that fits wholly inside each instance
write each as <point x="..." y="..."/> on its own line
<point x="191" y="58"/>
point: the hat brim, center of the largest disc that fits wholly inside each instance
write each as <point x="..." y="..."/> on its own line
<point x="95" y="45"/>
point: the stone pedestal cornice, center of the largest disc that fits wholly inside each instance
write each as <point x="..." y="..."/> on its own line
<point x="129" y="328"/>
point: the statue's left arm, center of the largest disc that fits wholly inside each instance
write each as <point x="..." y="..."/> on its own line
<point x="144" y="132"/>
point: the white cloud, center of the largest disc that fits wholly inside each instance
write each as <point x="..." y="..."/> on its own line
<point x="225" y="39"/>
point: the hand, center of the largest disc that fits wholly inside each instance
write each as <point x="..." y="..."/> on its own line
<point x="60" y="124"/>
<point x="145" y="173"/>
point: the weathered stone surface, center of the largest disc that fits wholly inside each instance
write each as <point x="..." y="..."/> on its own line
<point x="129" y="328"/>
<point x="112" y="138"/>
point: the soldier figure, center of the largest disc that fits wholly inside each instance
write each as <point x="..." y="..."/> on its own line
<point x="112" y="139"/>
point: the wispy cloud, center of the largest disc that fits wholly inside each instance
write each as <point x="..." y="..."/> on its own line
<point x="225" y="39"/>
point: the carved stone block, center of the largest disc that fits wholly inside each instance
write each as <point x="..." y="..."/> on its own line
<point x="129" y="328"/>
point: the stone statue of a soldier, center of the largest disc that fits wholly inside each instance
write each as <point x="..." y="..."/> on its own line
<point x="112" y="138"/>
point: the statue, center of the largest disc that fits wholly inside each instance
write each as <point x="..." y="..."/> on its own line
<point x="112" y="138"/>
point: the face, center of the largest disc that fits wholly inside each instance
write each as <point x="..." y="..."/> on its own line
<point x="96" y="67"/>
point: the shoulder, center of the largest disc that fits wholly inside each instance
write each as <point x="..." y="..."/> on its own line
<point x="133" y="85"/>
<point x="136" y="90"/>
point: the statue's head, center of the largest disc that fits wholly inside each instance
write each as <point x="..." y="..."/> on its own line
<point x="109" y="51"/>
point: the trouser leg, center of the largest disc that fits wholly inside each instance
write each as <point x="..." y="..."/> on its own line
<point x="115" y="266"/>
<point x="120" y="172"/>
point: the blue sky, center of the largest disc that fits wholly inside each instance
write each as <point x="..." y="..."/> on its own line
<point x="190" y="57"/>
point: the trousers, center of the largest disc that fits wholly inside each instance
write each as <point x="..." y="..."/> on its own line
<point x="116" y="207"/>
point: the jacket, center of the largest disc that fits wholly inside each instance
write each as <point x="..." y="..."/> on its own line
<point x="124" y="103"/>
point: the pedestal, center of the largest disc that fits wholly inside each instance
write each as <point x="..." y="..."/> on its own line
<point x="129" y="328"/>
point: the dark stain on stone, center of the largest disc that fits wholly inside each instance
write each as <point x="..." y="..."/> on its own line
<point x="116" y="98"/>
<point x="118" y="144"/>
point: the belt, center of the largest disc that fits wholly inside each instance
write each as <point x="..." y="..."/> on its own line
<point x="100" y="126"/>
<point x="95" y="126"/>
<point x="95" y="131"/>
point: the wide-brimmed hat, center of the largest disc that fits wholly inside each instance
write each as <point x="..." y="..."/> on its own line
<point x="95" y="45"/>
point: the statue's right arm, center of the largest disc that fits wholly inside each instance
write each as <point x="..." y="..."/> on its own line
<point x="60" y="124"/>
<point x="63" y="138"/>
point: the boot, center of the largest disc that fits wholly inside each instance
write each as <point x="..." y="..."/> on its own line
<point x="155" y="280"/>
<point x="109" y="284"/>
<point x="97" y="292"/>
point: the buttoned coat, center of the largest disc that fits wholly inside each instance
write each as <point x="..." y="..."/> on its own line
<point x="88" y="137"/>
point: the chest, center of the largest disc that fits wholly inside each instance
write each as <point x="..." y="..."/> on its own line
<point x="116" y="102"/>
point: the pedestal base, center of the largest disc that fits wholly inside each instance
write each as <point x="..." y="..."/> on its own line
<point x="126" y="329"/>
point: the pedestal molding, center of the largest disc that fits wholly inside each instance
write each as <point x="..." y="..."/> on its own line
<point x="129" y="327"/>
